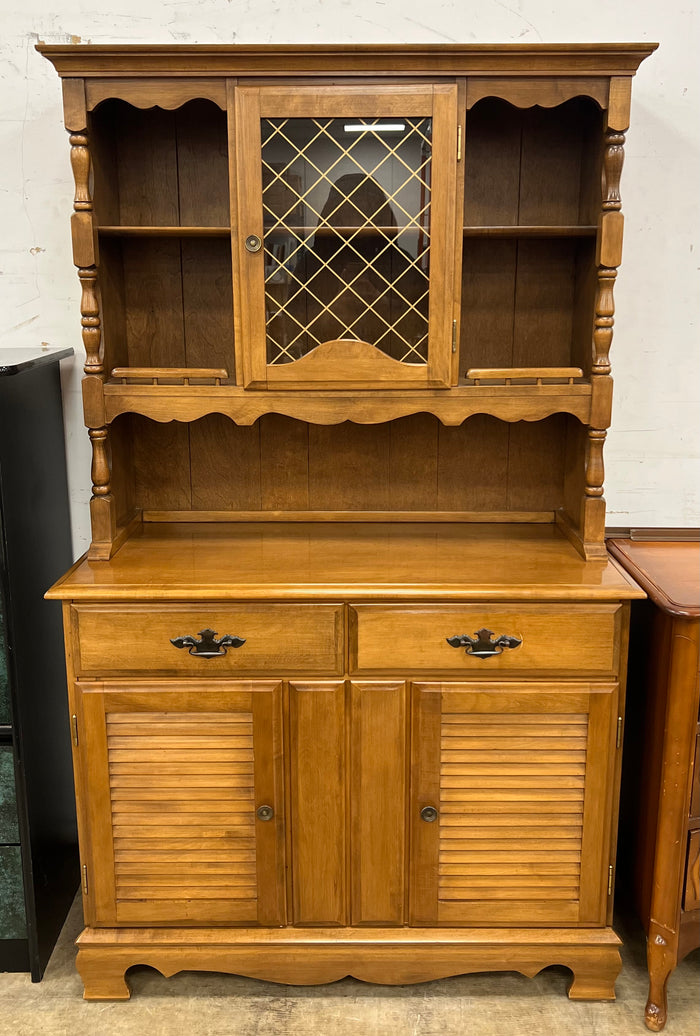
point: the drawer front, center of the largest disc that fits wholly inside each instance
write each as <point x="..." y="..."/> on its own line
<point x="691" y="898"/>
<point x="695" y="792"/>
<point x="554" y="638"/>
<point x="9" y="829"/>
<point x="279" y="638"/>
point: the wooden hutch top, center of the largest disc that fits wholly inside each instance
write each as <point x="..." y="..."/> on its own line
<point x="225" y="314"/>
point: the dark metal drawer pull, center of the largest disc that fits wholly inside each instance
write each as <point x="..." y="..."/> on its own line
<point x="429" y="814"/>
<point x="208" y="646"/>
<point x="481" y="645"/>
<point x="265" y="812"/>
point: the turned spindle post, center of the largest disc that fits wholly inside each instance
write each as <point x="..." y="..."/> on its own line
<point x="100" y="469"/>
<point x="83" y="251"/>
<point x="80" y="163"/>
<point x="85" y="258"/>
<point x="609" y="241"/>
<point x="613" y="158"/>
<point x="595" y="469"/>
<point x="608" y="258"/>
<point x="90" y="319"/>
<point x="102" y="511"/>
<point x="604" y="320"/>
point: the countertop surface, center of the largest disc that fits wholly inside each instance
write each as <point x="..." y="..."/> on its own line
<point x="343" y="560"/>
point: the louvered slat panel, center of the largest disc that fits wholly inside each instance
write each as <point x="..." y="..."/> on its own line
<point x="511" y="806"/>
<point x="182" y="794"/>
<point x="157" y="843"/>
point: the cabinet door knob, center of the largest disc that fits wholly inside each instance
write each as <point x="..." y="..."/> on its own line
<point x="481" y="645"/>
<point x="429" y="814"/>
<point x="253" y="243"/>
<point x="208" y="646"/>
<point x="265" y="812"/>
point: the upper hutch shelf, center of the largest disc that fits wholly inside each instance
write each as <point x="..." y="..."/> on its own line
<point x="143" y="231"/>
<point x="545" y="230"/>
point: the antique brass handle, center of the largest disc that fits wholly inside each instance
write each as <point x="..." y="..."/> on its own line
<point x="481" y="645"/>
<point x="265" y="812"/>
<point x="429" y="814"/>
<point x="253" y="243"/>
<point x="208" y="646"/>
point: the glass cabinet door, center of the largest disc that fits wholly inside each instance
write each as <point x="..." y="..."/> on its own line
<point x="345" y="235"/>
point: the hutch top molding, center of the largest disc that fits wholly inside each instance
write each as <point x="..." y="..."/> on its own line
<point x="579" y="59"/>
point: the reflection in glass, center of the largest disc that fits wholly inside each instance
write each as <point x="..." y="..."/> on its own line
<point x="346" y="206"/>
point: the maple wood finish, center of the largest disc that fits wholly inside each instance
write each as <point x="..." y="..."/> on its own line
<point x="664" y="808"/>
<point x="495" y="251"/>
<point x="347" y="655"/>
<point x="516" y="753"/>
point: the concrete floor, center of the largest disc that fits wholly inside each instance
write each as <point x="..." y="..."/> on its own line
<point x="192" y="1003"/>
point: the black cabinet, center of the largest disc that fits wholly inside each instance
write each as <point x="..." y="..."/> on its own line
<point x="39" y="871"/>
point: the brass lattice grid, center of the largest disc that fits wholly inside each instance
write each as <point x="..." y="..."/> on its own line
<point x="348" y="274"/>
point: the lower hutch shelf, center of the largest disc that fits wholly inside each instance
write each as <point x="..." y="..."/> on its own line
<point x="384" y="750"/>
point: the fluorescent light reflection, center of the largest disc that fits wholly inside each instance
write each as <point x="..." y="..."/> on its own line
<point x="378" y="127"/>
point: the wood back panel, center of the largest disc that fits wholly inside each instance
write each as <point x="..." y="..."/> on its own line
<point x="532" y="166"/>
<point x="160" y="168"/>
<point x="530" y="302"/>
<point x="280" y="464"/>
<point x="167" y="302"/>
<point x="527" y="303"/>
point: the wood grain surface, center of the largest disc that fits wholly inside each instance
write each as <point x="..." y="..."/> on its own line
<point x="400" y="562"/>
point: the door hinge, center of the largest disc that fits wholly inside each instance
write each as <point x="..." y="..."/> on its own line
<point x="74" y="728"/>
<point x="610" y="879"/>
<point x="85" y="880"/>
<point x="459" y="143"/>
<point x="454" y="336"/>
<point x="618" y="742"/>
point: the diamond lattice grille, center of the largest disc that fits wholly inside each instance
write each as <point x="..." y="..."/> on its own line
<point x="346" y="206"/>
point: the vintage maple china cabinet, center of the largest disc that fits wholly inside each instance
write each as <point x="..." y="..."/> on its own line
<point x="346" y="653"/>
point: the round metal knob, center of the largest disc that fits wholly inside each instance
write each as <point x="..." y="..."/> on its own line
<point x="253" y="243"/>
<point x="429" y="814"/>
<point x="265" y="812"/>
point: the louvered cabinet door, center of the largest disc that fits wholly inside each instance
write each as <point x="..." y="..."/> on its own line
<point x="173" y="781"/>
<point x="511" y="803"/>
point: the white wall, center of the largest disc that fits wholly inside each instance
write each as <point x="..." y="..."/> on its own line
<point x="653" y="446"/>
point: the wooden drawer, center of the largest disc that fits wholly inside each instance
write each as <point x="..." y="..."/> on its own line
<point x="279" y="639"/>
<point x="555" y="638"/>
<point x="691" y="897"/>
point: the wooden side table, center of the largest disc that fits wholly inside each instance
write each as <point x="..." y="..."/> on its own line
<point x="660" y="824"/>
